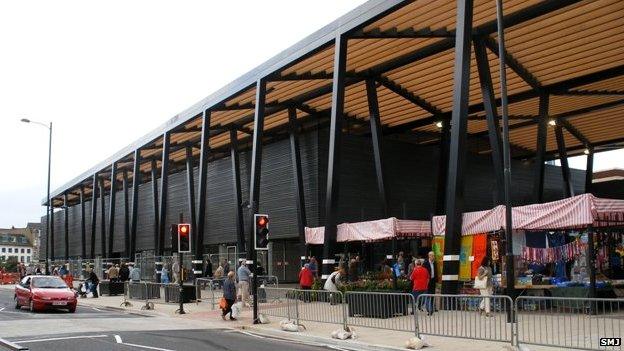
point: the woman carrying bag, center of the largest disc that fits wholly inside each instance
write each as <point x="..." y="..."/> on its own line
<point x="483" y="282"/>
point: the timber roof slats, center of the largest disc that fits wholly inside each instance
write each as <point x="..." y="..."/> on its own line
<point x="571" y="49"/>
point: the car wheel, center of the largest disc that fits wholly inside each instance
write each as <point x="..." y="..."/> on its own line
<point x="72" y="310"/>
<point x="17" y="304"/>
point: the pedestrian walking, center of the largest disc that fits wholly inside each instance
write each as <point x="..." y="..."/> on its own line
<point x="229" y="295"/>
<point x="483" y="282"/>
<point x="243" y="274"/>
<point x="113" y="273"/>
<point x="420" y="282"/>
<point x="306" y="280"/>
<point x="93" y="282"/>
<point x="135" y="274"/>
<point x="124" y="272"/>
<point x="226" y="266"/>
<point x="332" y="283"/>
<point x="208" y="269"/>
<point x="164" y="275"/>
<point x="313" y="266"/>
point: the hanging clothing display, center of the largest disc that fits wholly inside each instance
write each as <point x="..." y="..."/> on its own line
<point x="519" y="241"/>
<point x="556" y="239"/>
<point x="438" y="249"/>
<point x="564" y="253"/>
<point x="465" y="266"/>
<point x="479" y="251"/>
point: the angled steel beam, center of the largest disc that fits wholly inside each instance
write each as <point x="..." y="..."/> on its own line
<point x="190" y="187"/>
<point x="409" y="96"/>
<point x="237" y="192"/>
<point x="164" y="194"/>
<point x="295" y="157"/>
<point x="375" y="127"/>
<point x="102" y="218"/>
<point x="111" y="211"/>
<point x="568" y="189"/>
<point x="333" y="167"/>
<point x="94" y="200"/>
<point x="456" y="169"/>
<point x="201" y="187"/>
<point x="511" y="61"/>
<point x="66" y="220"/>
<point x="126" y="208"/>
<point x="575" y="132"/>
<point x="83" y="228"/>
<point x="589" y="171"/>
<point x="154" y="172"/>
<point x="136" y="181"/>
<point x="487" y="92"/>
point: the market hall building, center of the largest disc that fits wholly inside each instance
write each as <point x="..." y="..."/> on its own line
<point x="392" y="110"/>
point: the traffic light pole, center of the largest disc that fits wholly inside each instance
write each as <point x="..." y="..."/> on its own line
<point x="181" y="286"/>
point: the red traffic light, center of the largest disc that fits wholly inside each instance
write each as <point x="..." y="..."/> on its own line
<point x="183" y="229"/>
<point x="262" y="221"/>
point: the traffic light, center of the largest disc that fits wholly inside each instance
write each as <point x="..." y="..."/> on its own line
<point x="261" y="232"/>
<point x="184" y="237"/>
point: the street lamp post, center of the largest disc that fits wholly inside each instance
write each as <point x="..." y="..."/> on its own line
<point x="48" y="224"/>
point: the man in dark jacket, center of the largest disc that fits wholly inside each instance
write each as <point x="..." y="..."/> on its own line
<point x="124" y="272"/>
<point x="229" y="294"/>
<point x="93" y="282"/>
<point x="430" y="266"/>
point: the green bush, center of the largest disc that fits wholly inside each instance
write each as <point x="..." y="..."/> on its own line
<point x="10" y="265"/>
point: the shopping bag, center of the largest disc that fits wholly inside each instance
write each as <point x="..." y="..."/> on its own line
<point x="223" y="303"/>
<point x="236" y="309"/>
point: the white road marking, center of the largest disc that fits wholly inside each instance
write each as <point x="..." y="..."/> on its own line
<point x="118" y="339"/>
<point x="97" y="309"/>
<point x="146" y="347"/>
<point x="64" y="338"/>
<point x="2" y="309"/>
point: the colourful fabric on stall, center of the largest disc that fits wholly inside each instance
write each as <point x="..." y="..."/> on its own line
<point x="556" y="239"/>
<point x="438" y="249"/>
<point x="479" y="250"/>
<point x="465" y="267"/>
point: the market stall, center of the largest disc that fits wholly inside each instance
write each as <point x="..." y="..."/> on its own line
<point x="552" y="244"/>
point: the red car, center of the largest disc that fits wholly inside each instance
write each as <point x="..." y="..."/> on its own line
<point x="40" y="292"/>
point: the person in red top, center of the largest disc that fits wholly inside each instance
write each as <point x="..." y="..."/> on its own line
<point x="306" y="279"/>
<point x="420" y="281"/>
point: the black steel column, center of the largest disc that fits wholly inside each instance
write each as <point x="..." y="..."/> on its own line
<point x="333" y="164"/>
<point x="591" y="262"/>
<point x="102" y="218"/>
<point x="155" y="203"/>
<point x="136" y="181"/>
<point x="589" y="170"/>
<point x="94" y="195"/>
<point x="83" y="228"/>
<point x="254" y="185"/>
<point x="295" y="157"/>
<point x="164" y="184"/>
<point x="459" y="123"/>
<point x="126" y="204"/>
<point x="568" y="190"/>
<point x="190" y="187"/>
<point x="201" y="187"/>
<point x="542" y="135"/>
<point x="443" y="162"/>
<point x="375" y="126"/>
<point x="236" y="185"/>
<point x="489" y="104"/>
<point x="111" y="211"/>
<point x="66" y="219"/>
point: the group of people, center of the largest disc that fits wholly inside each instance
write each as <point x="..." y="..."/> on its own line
<point x="235" y="286"/>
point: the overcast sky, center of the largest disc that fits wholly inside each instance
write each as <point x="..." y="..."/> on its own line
<point x="108" y="72"/>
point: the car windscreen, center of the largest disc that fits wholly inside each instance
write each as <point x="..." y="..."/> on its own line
<point x="48" y="282"/>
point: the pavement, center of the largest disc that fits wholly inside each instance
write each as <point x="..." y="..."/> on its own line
<point x="99" y="324"/>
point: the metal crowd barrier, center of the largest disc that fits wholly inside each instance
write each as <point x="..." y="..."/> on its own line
<point x="277" y="302"/>
<point x="579" y="323"/>
<point x="465" y="316"/>
<point x="394" y="311"/>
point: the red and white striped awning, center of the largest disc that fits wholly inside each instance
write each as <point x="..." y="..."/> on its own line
<point x="376" y="230"/>
<point x="572" y="213"/>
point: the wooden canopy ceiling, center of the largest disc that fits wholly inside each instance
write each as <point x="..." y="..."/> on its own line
<point x="570" y="50"/>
